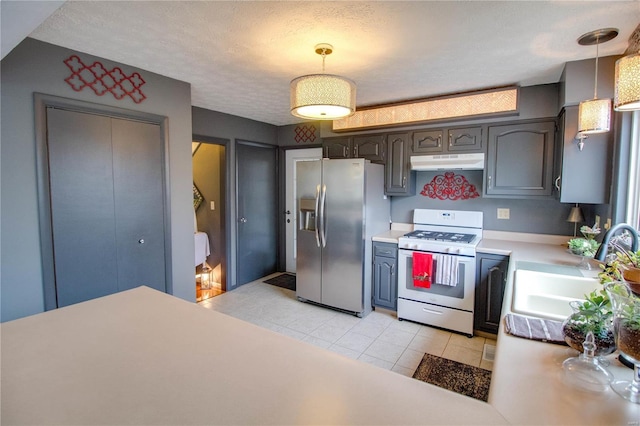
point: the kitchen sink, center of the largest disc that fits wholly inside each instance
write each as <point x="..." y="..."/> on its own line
<point x="546" y="295"/>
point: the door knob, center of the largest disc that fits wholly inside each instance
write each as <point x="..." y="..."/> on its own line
<point x="141" y="241"/>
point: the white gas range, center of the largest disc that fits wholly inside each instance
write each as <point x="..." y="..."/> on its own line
<point x="450" y="238"/>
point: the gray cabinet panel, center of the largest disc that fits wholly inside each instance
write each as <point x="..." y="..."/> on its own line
<point x="491" y="278"/>
<point x="465" y="139"/>
<point x="385" y="275"/>
<point x="398" y="178"/>
<point x="370" y="147"/>
<point x="138" y="187"/>
<point x="582" y="176"/>
<point x="336" y="147"/>
<point x="82" y="200"/>
<point x="520" y="159"/>
<point x="427" y="141"/>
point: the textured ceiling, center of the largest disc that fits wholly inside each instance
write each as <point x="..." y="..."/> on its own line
<point x="240" y="56"/>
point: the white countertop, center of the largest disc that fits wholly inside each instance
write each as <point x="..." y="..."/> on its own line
<point x="144" y="357"/>
<point x="527" y="385"/>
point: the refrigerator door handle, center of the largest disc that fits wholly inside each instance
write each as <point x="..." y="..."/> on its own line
<point x="323" y="231"/>
<point x="315" y="216"/>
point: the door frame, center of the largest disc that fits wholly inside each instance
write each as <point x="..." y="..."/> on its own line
<point x="226" y="143"/>
<point x="41" y="103"/>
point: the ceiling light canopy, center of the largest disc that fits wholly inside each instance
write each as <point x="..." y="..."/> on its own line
<point x="594" y="115"/>
<point x="323" y="96"/>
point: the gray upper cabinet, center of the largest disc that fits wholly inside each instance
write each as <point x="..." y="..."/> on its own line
<point x="520" y="159"/>
<point x="339" y="147"/>
<point x="369" y="147"/>
<point x="398" y="177"/>
<point x="426" y="141"/>
<point x="582" y="176"/>
<point x="459" y="139"/>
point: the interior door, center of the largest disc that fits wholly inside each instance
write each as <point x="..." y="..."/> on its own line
<point x="107" y="204"/>
<point x="292" y="157"/>
<point x="257" y="211"/>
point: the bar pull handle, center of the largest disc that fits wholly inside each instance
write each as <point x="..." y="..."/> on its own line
<point x="315" y="216"/>
<point x="490" y="184"/>
<point x="323" y="230"/>
<point x="404" y="181"/>
<point x="439" y="140"/>
<point x="344" y="152"/>
<point x="557" y="183"/>
<point x="429" y="311"/>
<point x="450" y="141"/>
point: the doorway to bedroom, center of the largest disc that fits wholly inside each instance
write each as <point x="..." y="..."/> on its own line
<point x="209" y="171"/>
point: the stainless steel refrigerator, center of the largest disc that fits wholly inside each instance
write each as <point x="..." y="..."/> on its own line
<point x="340" y="206"/>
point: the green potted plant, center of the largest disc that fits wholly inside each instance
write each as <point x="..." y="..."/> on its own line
<point x="586" y="246"/>
<point x="593" y="315"/>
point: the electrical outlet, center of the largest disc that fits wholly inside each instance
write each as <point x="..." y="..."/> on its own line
<point x="597" y="224"/>
<point x="503" y="213"/>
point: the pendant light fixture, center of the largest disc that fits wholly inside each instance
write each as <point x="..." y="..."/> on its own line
<point x="594" y="116"/>
<point x="323" y="96"/>
<point x="627" y="76"/>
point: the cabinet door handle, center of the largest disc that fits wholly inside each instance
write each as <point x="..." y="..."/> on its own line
<point x="450" y="142"/>
<point x="355" y="151"/>
<point x="404" y="181"/>
<point x="439" y="140"/>
<point x="489" y="178"/>
<point x="344" y="151"/>
<point x="557" y="183"/>
<point x="393" y="267"/>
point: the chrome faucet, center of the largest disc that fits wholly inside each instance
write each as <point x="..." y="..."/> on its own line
<point x="601" y="254"/>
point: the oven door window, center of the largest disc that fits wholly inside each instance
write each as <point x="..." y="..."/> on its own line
<point x="456" y="291"/>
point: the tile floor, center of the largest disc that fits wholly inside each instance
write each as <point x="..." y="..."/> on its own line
<point x="378" y="339"/>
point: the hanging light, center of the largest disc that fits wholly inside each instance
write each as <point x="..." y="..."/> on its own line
<point x="627" y="89"/>
<point x="594" y="116"/>
<point x="323" y="96"/>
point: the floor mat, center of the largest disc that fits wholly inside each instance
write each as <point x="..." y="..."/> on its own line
<point x="285" y="280"/>
<point x="454" y="376"/>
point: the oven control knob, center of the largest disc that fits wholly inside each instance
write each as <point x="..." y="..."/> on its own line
<point x="457" y="251"/>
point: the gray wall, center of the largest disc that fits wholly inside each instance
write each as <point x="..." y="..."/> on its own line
<point x="218" y="125"/>
<point x="541" y="216"/>
<point x="209" y="176"/>
<point x="34" y="66"/>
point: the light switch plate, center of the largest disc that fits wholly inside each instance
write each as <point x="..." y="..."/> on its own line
<point x="503" y="213"/>
<point x="213" y="205"/>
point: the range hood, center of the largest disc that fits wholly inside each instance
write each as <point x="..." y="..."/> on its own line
<point x="448" y="162"/>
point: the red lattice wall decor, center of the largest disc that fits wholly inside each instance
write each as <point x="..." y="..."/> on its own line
<point x="450" y="187"/>
<point x="101" y="80"/>
<point x="305" y="133"/>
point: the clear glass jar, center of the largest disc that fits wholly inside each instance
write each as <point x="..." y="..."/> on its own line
<point x="578" y="324"/>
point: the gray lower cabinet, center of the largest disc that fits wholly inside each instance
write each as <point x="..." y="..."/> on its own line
<point x="385" y="275"/>
<point x="582" y="176"/>
<point x="398" y="177"/>
<point x="520" y="159"/>
<point x="491" y="278"/>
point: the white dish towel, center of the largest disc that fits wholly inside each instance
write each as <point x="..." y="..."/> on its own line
<point x="446" y="270"/>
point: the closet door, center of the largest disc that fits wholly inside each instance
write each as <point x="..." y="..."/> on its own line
<point x="82" y="200"/>
<point x="107" y="204"/>
<point x="139" y="204"/>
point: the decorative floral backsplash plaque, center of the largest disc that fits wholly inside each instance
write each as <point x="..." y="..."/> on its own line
<point x="101" y="80"/>
<point x="450" y="187"/>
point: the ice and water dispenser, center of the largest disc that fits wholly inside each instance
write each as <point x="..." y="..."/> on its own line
<point x="307" y="214"/>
